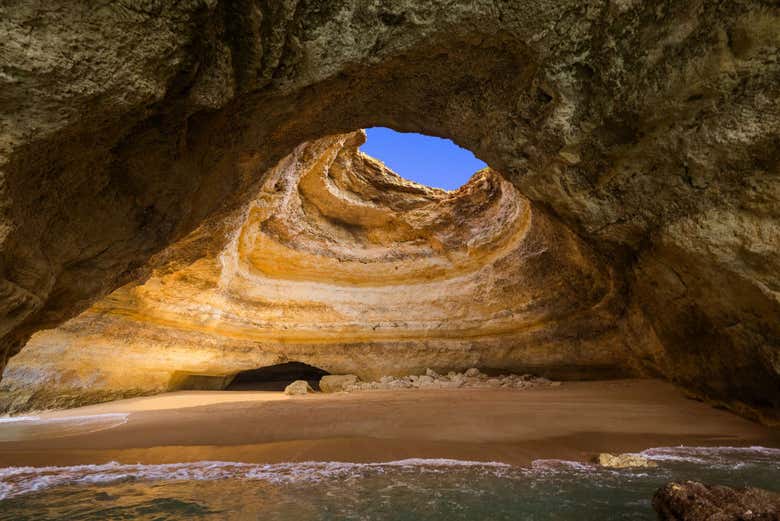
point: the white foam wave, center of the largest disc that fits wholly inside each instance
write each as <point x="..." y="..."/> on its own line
<point x="85" y="418"/>
<point x="65" y="419"/>
<point x="555" y="465"/>
<point x="710" y="455"/>
<point x="34" y="427"/>
<point x="15" y="481"/>
<point x="14" y="419"/>
<point x="437" y="462"/>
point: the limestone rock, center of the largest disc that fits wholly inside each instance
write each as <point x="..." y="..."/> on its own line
<point x="623" y="461"/>
<point x="693" y="501"/>
<point x="334" y="383"/>
<point x="341" y="264"/>
<point x="298" y="387"/>
<point x="648" y="128"/>
<point x="471" y="379"/>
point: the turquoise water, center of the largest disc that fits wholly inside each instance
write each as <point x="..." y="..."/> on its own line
<point x="404" y="490"/>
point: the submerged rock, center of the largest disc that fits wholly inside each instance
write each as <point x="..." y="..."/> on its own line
<point x="623" y="461"/>
<point x="693" y="501"/>
<point x="298" y="387"/>
<point x="334" y="383"/>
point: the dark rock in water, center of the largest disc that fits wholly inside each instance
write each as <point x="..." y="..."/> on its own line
<point x="693" y="501"/>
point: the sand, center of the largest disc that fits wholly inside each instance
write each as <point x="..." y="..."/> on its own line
<point x="574" y="421"/>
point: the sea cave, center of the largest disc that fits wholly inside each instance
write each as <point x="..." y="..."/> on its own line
<point x="471" y="248"/>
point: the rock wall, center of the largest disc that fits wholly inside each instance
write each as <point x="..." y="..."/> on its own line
<point x="343" y="265"/>
<point x="650" y="128"/>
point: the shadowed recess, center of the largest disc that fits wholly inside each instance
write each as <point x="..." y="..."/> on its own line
<point x="428" y="160"/>
<point x="276" y="377"/>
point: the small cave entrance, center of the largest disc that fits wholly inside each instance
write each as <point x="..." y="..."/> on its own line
<point x="276" y="377"/>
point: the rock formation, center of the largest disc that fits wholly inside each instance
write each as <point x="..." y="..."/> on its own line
<point x="298" y="387"/>
<point x="624" y="461"/>
<point x="341" y="264"/>
<point x="693" y="501"/>
<point x="650" y="128"/>
<point x="472" y="378"/>
<point x="336" y="383"/>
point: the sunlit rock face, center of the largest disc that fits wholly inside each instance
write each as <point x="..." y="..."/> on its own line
<point x="648" y="127"/>
<point x="341" y="264"/>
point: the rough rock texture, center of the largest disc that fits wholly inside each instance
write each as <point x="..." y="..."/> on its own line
<point x="624" y="461"/>
<point x="692" y="501"/>
<point x="651" y="128"/>
<point x="298" y="387"/>
<point x="472" y="378"/>
<point x="341" y="264"/>
<point x="335" y="383"/>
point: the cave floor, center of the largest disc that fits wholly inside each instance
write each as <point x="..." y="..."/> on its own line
<point x="574" y="422"/>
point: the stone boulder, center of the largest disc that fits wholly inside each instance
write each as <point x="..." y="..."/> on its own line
<point x="334" y="383"/>
<point x="298" y="387"/>
<point x="624" y="461"/>
<point x="693" y="501"/>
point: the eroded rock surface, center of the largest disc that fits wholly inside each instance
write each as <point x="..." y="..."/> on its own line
<point x="693" y="501"/>
<point x="298" y="387"/>
<point x="341" y="264"/>
<point x="336" y="383"/>
<point x="472" y="378"/>
<point x="650" y="128"/>
<point x="624" y="461"/>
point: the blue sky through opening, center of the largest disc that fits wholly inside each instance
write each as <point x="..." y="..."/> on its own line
<point x="427" y="160"/>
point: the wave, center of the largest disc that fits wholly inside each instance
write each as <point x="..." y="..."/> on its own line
<point x="14" y="419"/>
<point x="711" y="455"/>
<point x="65" y="419"/>
<point x="34" y="427"/>
<point x="434" y="462"/>
<point x="558" y="465"/>
<point x="15" y="481"/>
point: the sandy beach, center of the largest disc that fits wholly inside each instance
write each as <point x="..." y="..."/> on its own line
<point x="574" y="421"/>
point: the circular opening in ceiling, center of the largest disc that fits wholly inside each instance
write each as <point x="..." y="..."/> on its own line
<point x="426" y="160"/>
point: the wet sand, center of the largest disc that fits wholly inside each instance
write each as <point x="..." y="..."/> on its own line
<point x="574" y="421"/>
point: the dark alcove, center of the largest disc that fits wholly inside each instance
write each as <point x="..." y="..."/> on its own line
<point x="276" y="377"/>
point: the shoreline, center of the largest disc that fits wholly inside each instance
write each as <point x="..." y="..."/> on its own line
<point x="572" y="422"/>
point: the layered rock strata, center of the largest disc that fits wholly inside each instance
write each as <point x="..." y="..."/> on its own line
<point x="472" y="378"/>
<point x="340" y="264"/>
<point x="651" y="128"/>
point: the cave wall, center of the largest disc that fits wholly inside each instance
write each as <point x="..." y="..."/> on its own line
<point x="341" y="264"/>
<point x="650" y="128"/>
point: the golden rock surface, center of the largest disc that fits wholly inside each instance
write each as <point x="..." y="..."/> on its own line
<point x="341" y="264"/>
<point x="648" y="128"/>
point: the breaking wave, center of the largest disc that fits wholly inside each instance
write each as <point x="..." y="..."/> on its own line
<point x="16" y="481"/>
<point x="34" y="427"/>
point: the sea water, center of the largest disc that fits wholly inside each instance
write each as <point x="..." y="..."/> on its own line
<point x="416" y="489"/>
